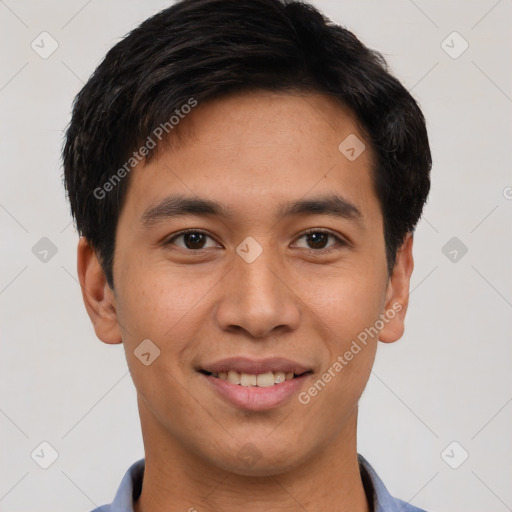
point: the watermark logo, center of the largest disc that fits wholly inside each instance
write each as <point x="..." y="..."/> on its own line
<point x="454" y="45"/>
<point x="44" y="45"/>
<point x="44" y="455"/>
<point x="44" y="250"/>
<point x="454" y="455"/>
<point x="146" y="352"/>
<point x="249" y="249"/>
<point x="454" y="249"/>
<point x="352" y="147"/>
<point x="249" y="454"/>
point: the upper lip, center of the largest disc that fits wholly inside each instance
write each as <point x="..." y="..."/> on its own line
<point x="255" y="366"/>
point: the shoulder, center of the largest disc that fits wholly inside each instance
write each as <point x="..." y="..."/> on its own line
<point x="378" y="493"/>
<point x="403" y="506"/>
<point x="128" y="490"/>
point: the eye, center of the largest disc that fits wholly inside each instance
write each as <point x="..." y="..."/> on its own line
<point x="317" y="239"/>
<point x="193" y="239"/>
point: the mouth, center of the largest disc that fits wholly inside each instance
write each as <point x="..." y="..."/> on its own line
<point x="255" y="385"/>
<point x="260" y="380"/>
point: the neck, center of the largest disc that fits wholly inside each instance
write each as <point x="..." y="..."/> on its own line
<point x="177" y="480"/>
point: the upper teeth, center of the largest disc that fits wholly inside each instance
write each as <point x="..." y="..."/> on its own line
<point x="262" y="380"/>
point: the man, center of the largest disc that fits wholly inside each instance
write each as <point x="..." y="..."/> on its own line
<point x="246" y="178"/>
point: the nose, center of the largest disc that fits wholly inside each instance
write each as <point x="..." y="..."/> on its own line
<point x="258" y="298"/>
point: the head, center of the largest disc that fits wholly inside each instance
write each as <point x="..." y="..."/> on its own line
<point x="267" y="120"/>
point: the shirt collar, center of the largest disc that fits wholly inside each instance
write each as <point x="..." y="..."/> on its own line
<point x="131" y="486"/>
<point x="382" y="499"/>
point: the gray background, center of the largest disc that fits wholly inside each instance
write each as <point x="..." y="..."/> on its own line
<point x="447" y="380"/>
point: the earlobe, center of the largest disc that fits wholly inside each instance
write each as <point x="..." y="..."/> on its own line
<point x="397" y="294"/>
<point x="98" y="297"/>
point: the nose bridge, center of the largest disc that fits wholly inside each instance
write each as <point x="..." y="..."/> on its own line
<point x="258" y="299"/>
<point x="260" y="289"/>
<point x="259" y="278"/>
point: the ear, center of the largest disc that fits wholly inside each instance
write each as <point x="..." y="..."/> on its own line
<point x="98" y="297"/>
<point x="397" y="293"/>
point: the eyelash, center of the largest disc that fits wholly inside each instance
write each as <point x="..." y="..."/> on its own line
<point x="339" y="241"/>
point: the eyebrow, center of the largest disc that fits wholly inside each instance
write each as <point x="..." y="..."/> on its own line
<point x="178" y="205"/>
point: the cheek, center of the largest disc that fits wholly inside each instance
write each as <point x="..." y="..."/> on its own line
<point x="159" y="302"/>
<point x="345" y="303"/>
<point x="346" y="311"/>
<point x="164" y="307"/>
<point x="345" y="308"/>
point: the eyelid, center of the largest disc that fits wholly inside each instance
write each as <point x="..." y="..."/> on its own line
<point x="341" y="241"/>
<point x="168" y="240"/>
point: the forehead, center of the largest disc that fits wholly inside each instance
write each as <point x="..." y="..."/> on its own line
<point x="253" y="150"/>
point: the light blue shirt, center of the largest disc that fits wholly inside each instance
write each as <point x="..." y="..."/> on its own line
<point x="131" y="485"/>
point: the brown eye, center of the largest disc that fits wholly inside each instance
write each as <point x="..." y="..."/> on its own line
<point x="192" y="240"/>
<point x="318" y="239"/>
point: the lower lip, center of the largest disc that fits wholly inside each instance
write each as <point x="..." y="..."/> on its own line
<point x="254" y="398"/>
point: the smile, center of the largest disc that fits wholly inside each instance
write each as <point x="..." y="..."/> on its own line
<point x="261" y="380"/>
<point x="255" y="385"/>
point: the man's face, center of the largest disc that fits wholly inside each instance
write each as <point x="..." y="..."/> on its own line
<point x="249" y="290"/>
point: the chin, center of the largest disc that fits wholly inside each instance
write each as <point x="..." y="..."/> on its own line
<point x="260" y="461"/>
<point x="261" y="468"/>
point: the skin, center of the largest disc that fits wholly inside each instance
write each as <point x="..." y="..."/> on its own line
<point x="251" y="152"/>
